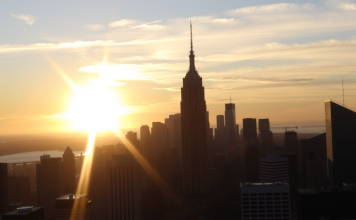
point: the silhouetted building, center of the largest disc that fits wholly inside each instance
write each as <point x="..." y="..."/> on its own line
<point x="124" y="188"/>
<point x="169" y="169"/>
<point x="313" y="149"/>
<point x="233" y="175"/>
<point x="3" y="188"/>
<point x="159" y="140"/>
<point x="73" y="207"/>
<point x="147" y="148"/>
<point x="333" y="203"/>
<point x="109" y="150"/>
<point x="250" y="130"/>
<point x="174" y="126"/>
<point x="273" y="168"/>
<point x="19" y="190"/>
<point x="340" y="143"/>
<point x="293" y="177"/>
<point x="251" y="163"/>
<point x="98" y="184"/>
<point x="194" y="137"/>
<point x="132" y="138"/>
<point x="291" y="142"/>
<point x="152" y="204"/>
<point x="25" y="213"/>
<point x="50" y="183"/>
<point x="265" y="136"/>
<point x="265" y="200"/>
<point x="209" y="136"/>
<point x="69" y="171"/>
<point x="220" y="135"/>
<point x="121" y="149"/>
<point x="230" y="131"/>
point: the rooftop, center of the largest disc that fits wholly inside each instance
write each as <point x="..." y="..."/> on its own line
<point x="23" y="210"/>
<point x="71" y="196"/>
<point x="248" y="184"/>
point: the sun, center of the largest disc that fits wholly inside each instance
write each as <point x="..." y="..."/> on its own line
<point x="95" y="108"/>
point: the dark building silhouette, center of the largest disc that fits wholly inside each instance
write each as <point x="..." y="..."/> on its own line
<point x="147" y="148"/>
<point x="76" y="205"/>
<point x="3" y="189"/>
<point x="233" y="171"/>
<point x="273" y="168"/>
<point x="136" y="143"/>
<point x="250" y="129"/>
<point x="124" y="188"/>
<point x="210" y="136"/>
<point x="194" y="137"/>
<point x="340" y="143"/>
<point x="19" y="190"/>
<point x="265" y="136"/>
<point x="152" y="203"/>
<point x="220" y="135"/>
<point x="50" y="183"/>
<point x="159" y="140"/>
<point x="293" y="173"/>
<point x="25" y="213"/>
<point x="98" y="184"/>
<point x="230" y="149"/>
<point x="333" y="203"/>
<point x="290" y="142"/>
<point x="251" y="163"/>
<point x="313" y="150"/>
<point x="69" y="172"/>
<point x="174" y="126"/>
<point x="168" y="168"/>
<point x="109" y="151"/>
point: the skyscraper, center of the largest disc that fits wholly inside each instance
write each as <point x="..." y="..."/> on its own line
<point x="219" y="134"/>
<point x="250" y="130"/>
<point x="124" y="188"/>
<point x="340" y="143"/>
<point x="19" y="190"/>
<point x="3" y="188"/>
<point x="265" y="136"/>
<point x="69" y="171"/>
<point x="291" y="142"/>
<point x="159" y="140"/>
<point x="273" y="168"/>
<point x="50" y="183"/>
<point x="132" y="138"/>
<point x="174" y="126"/>
<point x="194" y="137"/>
<point x="146" y="143"/>
<point x="230" y="131"/>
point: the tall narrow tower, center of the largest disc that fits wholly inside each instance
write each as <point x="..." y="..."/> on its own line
<point x="194" y="132"/>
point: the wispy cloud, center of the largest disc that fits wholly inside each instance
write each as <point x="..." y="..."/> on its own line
<point x="342" y="5"/>
<point x="28" y="19"/>
<point x="262" y="80"/>
<point x="281" y="7"/>
<point x="94" y="27"/>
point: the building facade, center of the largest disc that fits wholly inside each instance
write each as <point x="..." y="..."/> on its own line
<point x="249" y="128"/>
<point x="273" y="168"/>
<point x="3" y="189"/>
<point x="70" y="185"/>
<point x="291" y="142"/>
<point x="230" y="148"/>
<point x="73" y="207"/>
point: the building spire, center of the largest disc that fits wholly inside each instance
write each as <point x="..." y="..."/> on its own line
<point x="192" y="72"/>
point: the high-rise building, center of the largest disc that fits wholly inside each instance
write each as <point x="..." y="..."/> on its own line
<point x="340" y="143"/>
<point x="73" y="207"/>
<point x="147" y="148"/>
<point x="312" y="149"/>
<point x="19" y="190"/>
<point x="291" y="142"/>
<point x="293" y="177"/>
<point x="209" y="136"/>
<point x="219" y="134"/>
<point x="98" y="184"/>
<point x="194" y="137"/>
<point x="50" y="183"/>
<point x="132" y="138"/>
<point x="124" y="188"/>
<point x="273" y="168"/>
<point x="109" y="151"/>
<point x="250" y="129"/>
<point x="3" y="189"/>
<point x="168" y="168"/>
<point x="265" y="200"/>
<point x="25" y="213"/>
<point x="174" y="126"/>
<point x="230" y="131"/>
<point x="265" y="136"/>
<point x="70" y="183"/>
<point x="159" y="140"/>
<point x="251" y="163"/>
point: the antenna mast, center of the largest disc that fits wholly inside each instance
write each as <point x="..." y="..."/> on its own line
<point x="343" y="96"/>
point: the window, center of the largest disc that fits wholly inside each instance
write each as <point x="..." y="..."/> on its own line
<point x="269" y="198"/>
<point x="269" y="211"/>
<point x="261" y="203"/>
<point x="253" y="198"/>
<point x="285" y="194"/>
<point x="261" y="194"/>
<point x="285" y="210"/>
<point x="253" y="194"/>
<point x="245" y="207"/>
<point x="262" y="215"/>
<point x="262" y="211"/>
<point x="277" y="202"/>
<point x="277" y="215"/>
<point x="244" y="194"/>
<point x="253" y="203"/>
<point x="269" y="207"/>
<point x="261" y="207"/>
<point x="277" y="194"/>
<point x="277" y="198"/>
<point x="261" y="198"/>
<point x="277" y="206"/>
<point x="285" y="202"/>
<point x="269" y="202"/>
<point x="245" y="199"/>
<point x="277" y="210"/>
<point x="285" y="215"/>
<point x="246" y="215"/>
<point x="270" y="215"/>
<point x="253" y="215"/>
<point x="285" y="198"/>
<point x="268" y="194"/>
<point x="253" y="207"/>
<point x="246" y="211"/>
<point x="285" y="207"/>
<point x="245" y="203"/>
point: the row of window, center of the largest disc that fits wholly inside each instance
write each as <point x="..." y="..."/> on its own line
<point x="265" y="211"/>
<point x="263" y="194"/>
<point x="267" y="207"/>
<point x="268" y="215"/>
<point x="268" y="202"/>
<point x="263" y="198"/>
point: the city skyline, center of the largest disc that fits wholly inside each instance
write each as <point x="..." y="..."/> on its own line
<point x="280" y="64"/>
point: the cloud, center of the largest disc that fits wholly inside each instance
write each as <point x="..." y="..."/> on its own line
<point x="262" y="80"/>
<point x="281" y="7"/>
<point x="28" y="19"/>
<point x="121" y="23"/>
<point x="94" y="27"/>
<point x="342" y="5"/>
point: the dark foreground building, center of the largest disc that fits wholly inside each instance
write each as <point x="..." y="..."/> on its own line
<point x="333" y="203"/>
<point x="340" y="143"/>
<point x="194" y="133"/>
<point x="76" y="205"/>
<point x="25" y="213"/>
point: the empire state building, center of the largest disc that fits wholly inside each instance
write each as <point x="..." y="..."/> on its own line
<point x="194" y="132"/>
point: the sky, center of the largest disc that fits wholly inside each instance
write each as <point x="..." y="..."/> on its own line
<point x="276" y="59"/>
